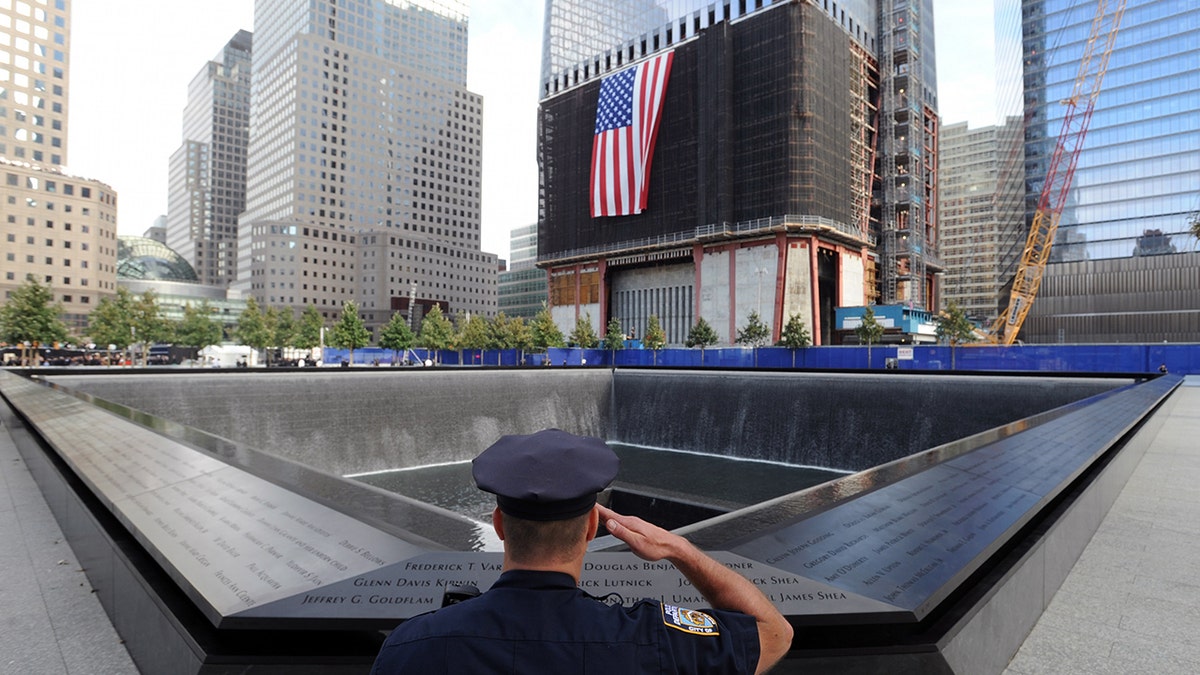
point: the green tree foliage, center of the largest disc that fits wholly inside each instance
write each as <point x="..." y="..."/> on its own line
<point x="614" y="337"/>
<point x="396" y="335"/>
<point x="954" y="327"/>
<point x="349" y="332"/>
<point x="125" y="319"/>
<point x="31" y="315"/>
<point x="286" y="328"/>
<point x="655" y="337"/>
<point x="198" y="328"/>
<point x="110" y="322"/>
<point x="755" y="333"/>
<point x="869" y="331"/>
<point x="701" y="335"/>
<point x="795" y="333"/>
<point x="584" y="336"/>
<point x="436" y="330"/>
<point x="473" y="333"/>
<point x="545" y="332"/>
<point x="502" y="332"/>
<point x="252" y="327"/>
<point x="520" y="334"/>
<point x="149" y="322"/>
<point x="308" y="330"/>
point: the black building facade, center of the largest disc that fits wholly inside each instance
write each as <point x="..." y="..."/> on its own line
<point x="757" y="122"/>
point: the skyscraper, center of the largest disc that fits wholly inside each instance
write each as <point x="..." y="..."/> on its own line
<point x="364" y="160"/>
<point x="522" y="288"/>
<point x="207" y="181"/>
<point x="1123" y="267"/>
<point x="62" y="229"/>
<point x="793" y="171"/>
<point x="971" y="202"/>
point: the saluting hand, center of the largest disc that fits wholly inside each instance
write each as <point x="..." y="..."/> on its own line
<point x="646" y="540"/>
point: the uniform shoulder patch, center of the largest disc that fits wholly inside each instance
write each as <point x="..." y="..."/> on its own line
<point x="689" y="620"/>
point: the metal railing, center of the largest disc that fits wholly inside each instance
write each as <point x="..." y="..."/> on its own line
<point x="716" y="231"/>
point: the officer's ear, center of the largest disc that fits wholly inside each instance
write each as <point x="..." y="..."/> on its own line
<point x="498" y="522"/>
<point x="593" y="523"/>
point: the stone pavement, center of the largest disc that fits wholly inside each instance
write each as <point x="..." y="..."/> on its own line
<point x="1130" y="605"/>
<point x="1132" y="602"/>
<point x="51" y="621"/>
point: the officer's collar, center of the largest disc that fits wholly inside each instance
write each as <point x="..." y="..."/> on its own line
<point x="535" y="580"/>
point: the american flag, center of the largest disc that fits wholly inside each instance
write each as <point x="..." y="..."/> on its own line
<point x="626" y="125"/>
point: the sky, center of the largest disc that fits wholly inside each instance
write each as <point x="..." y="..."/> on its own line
<point x="132" y="61"/>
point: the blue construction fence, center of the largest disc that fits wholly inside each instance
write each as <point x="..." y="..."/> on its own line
<point x="1106" y="358"/>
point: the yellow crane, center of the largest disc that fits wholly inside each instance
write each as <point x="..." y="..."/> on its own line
<point x="1060" y="171"/>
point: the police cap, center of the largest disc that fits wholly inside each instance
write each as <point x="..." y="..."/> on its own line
<point x="549" y="475"/>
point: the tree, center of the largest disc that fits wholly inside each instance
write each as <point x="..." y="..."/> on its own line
<point x="584" y="336"/>
<point x="755" y="333"/>
<point x="522" y="334"/>
<point x="614" y="337"/>
<point x="1194" y="224"/>
<point x="869" y="331"/>
<point x="473" y="333"/>
<point x="271" y="321"/>
<point x="252" y="328"/>
<point x="545" y="332"/>
<point x="111" y="322"/>
<point x="308" y="330"/>
<point x="954" y="327"/>
<point x="396" y="335"/>
<point x="436" y="330"/>
<point x="701" y="335"/>
<point x="286" y="328"/>
<point x="655" y="337"/>
<point x="349" y="332"/>
<point x="198" y="328"/>
<point x="149" y="322"/>
<point x="794" y="335"/>
<point x="31" y="315"/>
<point x="500" y="333"/>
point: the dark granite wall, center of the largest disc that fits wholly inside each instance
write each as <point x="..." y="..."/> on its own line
<point x="367" y="420"/>
<point x="850" y="421"/>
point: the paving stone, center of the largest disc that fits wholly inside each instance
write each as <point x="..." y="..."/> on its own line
<point x="1132" y="602"/>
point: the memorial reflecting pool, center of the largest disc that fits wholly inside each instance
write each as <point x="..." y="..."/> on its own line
<point x="724" y="483"/>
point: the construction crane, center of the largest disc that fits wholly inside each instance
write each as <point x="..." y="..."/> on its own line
<point x="1060" y="171"/>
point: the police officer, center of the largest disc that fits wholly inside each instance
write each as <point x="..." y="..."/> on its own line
<point x="535" y="619"/>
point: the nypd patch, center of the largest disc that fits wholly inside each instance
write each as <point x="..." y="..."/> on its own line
<point x="689" y="620"/>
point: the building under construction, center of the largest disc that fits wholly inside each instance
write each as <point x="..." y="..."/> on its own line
<point x="776" y="183"/>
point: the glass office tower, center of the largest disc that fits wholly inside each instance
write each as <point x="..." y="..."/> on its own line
<point x="1123" y="266"/>
<point x="1140" y="166"/>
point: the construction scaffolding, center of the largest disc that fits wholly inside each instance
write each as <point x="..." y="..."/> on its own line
<point x="863" y="113"/>
<point x="907" y="146"/>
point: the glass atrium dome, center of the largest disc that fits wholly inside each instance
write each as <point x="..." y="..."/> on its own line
<point x="142" y="258"/>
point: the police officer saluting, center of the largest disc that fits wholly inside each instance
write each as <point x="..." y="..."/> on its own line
<point x="535" y="619"/>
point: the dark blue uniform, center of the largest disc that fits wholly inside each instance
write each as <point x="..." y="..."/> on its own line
<point x="540" y="622"/>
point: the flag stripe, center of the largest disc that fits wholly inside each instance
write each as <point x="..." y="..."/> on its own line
<point x="627" y="120"/>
